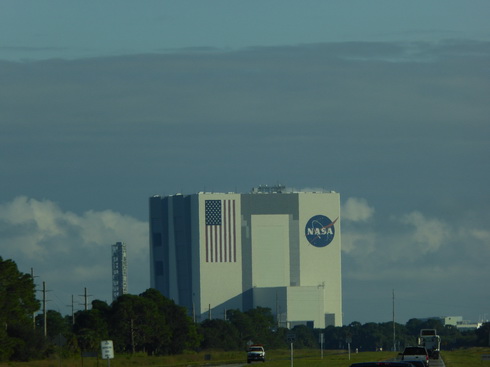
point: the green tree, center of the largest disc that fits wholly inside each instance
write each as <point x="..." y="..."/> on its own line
<point x="304" y="337"/>
<point x="369" y="337"/>
<point x="91" y="326"/>
<point x="334" y="337"/>
<point x="413" y="326"/>
<point x="278" y="338"/>
<point x="483" y="335"/>
<point x="18" y="302"/>
<point x="262" y="322"/>
<point x="28" y="343"/>
<point x="183" y="332"/>
<point x="449" y="336"/>
<point x="432" y="323"/>
<point x="244" y="325"/>
<point x="257" y="326"/>
<point x="56" y="324"/>
<point x="136" y="325"/>
<point x="219" y="334"/>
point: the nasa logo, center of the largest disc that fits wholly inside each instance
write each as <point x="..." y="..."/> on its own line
<point x="320" y="230"/>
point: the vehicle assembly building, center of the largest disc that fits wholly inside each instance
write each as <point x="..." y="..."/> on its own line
<point x="213" y="252"/>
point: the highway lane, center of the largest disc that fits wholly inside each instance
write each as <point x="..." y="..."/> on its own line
<point x="436" y="363"/>
<point x="433" y="363"/>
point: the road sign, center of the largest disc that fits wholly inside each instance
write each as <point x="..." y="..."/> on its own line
<point x="107" y="349"/>
<point x="485" y="357"/>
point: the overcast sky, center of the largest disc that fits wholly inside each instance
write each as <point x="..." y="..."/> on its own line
<point x="386" y="102"/>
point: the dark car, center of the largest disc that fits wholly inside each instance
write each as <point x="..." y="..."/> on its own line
<point x="417" y="363"/>
<point x="384" y="363"/>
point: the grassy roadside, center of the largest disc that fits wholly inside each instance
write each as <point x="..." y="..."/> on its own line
<point x="466" y="357"/>
<point x="279" y="358"/>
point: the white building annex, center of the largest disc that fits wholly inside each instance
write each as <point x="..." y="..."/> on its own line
<point x="213" y="252"/>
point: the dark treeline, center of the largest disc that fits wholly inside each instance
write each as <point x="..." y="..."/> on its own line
<point x="155" y="325"/>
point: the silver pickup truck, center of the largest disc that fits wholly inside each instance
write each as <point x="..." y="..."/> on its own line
<point x="416" y="354"/>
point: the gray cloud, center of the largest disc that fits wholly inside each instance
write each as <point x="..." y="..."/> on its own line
<point x="71" y="252"/>
<point x="399" y="129"/>
<point x="427" y="259"/>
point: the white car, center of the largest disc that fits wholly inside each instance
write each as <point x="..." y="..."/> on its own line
<point x="255" y="353"/>
<point x="416" y="354"/>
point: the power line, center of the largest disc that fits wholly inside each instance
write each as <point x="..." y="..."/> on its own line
<point x="85" y="297"/>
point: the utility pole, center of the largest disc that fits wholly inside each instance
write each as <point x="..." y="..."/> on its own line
<point x="278" y="319"/>
<point x="45" y="313"/>
<point x="33" y="314"/>
<point x="394" y="343"/>
<point x="193" y="312"/>
<point x="72" y="311"/>
<point x="133" y="346"/>
<point x="85" y="297"/>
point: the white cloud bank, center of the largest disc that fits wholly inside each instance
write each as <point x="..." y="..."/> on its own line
<point x="438" y="268"/>
<point x="408" y="236"/>
<point x="357" y="210"/>
<point x="71" y="252"/>
<point x="412" y="236"/>
<point x="428" y="234"/>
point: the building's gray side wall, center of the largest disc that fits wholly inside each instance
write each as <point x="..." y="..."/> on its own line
<point x="182" y="248"/>
<point x="265" y="204"/>
<point x="158" y="245"/>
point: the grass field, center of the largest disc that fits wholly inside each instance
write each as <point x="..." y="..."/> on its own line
<point x="466" y="357"/>
<point x="282" y="358"/>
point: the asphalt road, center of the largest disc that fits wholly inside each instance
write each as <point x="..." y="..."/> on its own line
<point x="437" y="363"/>
<point x="433" y="363"/>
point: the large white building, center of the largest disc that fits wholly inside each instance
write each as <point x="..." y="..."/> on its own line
<point x="213" y="252"/>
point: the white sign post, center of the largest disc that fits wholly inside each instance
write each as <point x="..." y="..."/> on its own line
<point x="107" y="350"/>
<point x="348" y="340"/>
<point x="321" y="343"/>
<point x="291" y="338"/>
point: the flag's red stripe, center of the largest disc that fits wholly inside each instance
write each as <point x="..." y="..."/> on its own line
<point x="220" y="243"/>
<point x="207" y="249"/>
<point x="234" y="233"/>
<point x="230" y="224"/>
<point x="225" y="230"/>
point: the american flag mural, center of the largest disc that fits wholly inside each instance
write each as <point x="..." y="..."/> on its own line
<point x="220" y="230"/>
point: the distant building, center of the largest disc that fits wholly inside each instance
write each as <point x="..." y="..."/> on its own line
<point x="456" y="321"/>
<point x="119" y="270"/>
<point x="460" y="323"/>
<point x="451" y="320"/>
<point x="468" y="325"/>
<point x="212" y="252"/>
